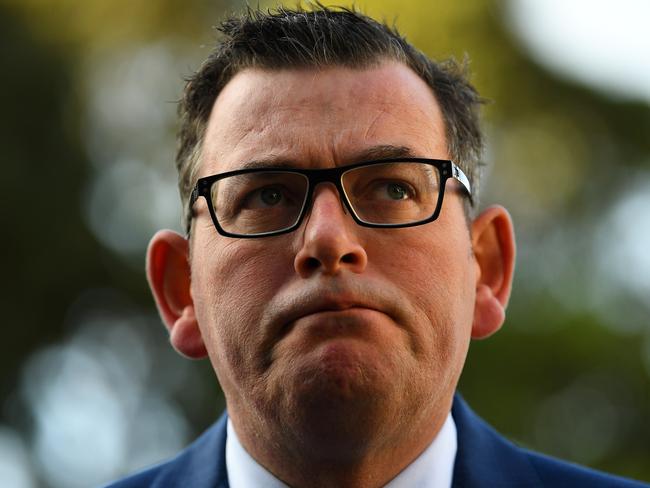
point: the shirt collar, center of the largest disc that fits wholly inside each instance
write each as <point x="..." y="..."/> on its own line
<point x="433" y="468"/>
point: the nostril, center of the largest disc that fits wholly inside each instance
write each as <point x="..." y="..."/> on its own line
<point x="312" y="263"/>
<point x="349" y="258"/>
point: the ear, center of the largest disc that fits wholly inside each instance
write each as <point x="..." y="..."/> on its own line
<point x="493" y="243"/>
<point x="168" y="273"/>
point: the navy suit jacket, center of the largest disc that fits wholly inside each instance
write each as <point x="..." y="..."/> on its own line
<point x="484" y="460"/>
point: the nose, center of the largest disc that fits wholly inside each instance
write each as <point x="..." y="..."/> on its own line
<point x="330" y="243"/>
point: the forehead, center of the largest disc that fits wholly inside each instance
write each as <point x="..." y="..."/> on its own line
<point x="321" y="118"/>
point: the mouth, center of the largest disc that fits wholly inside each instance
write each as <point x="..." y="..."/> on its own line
<point x="325" y="306"/>
<point x="332" y="313"/>
<point x="333" y="308"/>
<point x="324" y="310"/>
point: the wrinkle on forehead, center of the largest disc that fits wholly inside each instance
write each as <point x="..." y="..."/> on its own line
<point x="373" y="123"/>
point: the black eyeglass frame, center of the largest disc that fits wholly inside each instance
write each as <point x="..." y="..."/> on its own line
<point x="446" y="168"/>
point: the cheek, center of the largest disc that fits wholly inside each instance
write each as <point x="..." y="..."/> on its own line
<point x="437" y="277"/>
<point x="231" y="286"/>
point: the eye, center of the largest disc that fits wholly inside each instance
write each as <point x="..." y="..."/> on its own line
<point x="270" y="196"/>
<point x="390" y="190"/>
<point x="397" y="191"/>
<point x="265" y="197"/>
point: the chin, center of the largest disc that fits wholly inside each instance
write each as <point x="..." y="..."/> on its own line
<point x="340" y="396"/>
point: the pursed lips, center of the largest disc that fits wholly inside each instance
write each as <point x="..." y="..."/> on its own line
<point x="286" y="310"/>
<point x="321" y="296"/>
<point x="321" y="306"/>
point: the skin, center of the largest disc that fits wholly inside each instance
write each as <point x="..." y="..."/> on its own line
<point x="338" y="347"/>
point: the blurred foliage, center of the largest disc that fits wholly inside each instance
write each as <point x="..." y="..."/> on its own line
<point x="48" y="251"/>
<point x="569" y="372"/>
<point x="83" y="26"/>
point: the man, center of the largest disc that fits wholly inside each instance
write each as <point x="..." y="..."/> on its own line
<point x="334" y="270"/>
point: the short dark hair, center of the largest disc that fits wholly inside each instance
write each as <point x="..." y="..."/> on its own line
<point x="321" y="37"/>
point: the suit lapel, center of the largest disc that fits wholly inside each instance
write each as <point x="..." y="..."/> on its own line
<point x="484" y="458"/>
<point x="201" y="465"/>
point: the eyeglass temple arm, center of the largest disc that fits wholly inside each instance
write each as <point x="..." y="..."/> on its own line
<point x="194" y="196"/>
<point x="459" y="175"/>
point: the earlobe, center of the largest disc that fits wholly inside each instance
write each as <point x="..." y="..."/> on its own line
<point x="186" y="337"/>
<point x="168" y="274"/>
<point x="489" y="313"/>
<point x="493" y="243"/>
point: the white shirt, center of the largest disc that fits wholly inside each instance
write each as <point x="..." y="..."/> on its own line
<point x="432" y="469"/>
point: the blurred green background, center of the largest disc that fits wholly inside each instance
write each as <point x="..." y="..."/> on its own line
<point x="90" y="388"/>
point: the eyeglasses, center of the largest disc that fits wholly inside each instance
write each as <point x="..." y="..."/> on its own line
<point x="387" y="193"/>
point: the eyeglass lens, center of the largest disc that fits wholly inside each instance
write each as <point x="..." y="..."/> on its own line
<point x="392" y="193"/>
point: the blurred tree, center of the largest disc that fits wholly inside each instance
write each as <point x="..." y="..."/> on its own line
<point x="49" y="254"/>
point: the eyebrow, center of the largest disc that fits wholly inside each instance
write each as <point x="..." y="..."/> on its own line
<point x="383" y="151"/>
<point x="269" y="162"/>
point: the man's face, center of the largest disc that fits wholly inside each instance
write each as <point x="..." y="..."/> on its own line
<point x="365" y="327"/>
